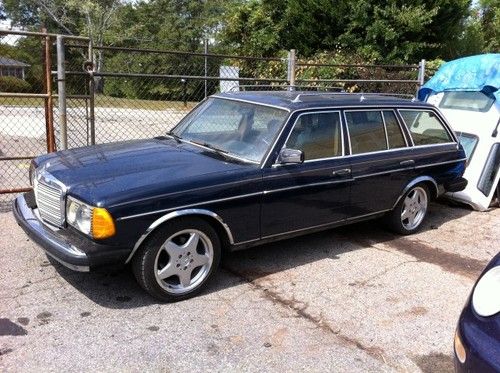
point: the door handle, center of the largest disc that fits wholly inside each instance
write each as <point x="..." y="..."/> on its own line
<point x="408" y="163"/>
<point x="342" y="172"/>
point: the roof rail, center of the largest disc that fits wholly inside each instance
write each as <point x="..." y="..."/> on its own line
<point x="287" y="87"/>
<point x="299" y="95"/>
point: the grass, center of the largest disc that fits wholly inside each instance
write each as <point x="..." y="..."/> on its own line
<point x="104" y="102"/>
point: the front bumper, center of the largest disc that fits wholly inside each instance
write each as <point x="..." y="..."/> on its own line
<point x="71" y="250"/>
<point x="480" y="338"/>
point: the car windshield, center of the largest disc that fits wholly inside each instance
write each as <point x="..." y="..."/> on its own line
<point x="239" y="129"/>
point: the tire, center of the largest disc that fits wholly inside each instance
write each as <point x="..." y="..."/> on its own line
<point x="178" y="259"/>
<point x="410" y="212"/>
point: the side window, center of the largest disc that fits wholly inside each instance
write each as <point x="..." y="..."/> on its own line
<point x="394" y="134"/>
<point x="318" y="135"/>
<point x="425" y="127"/>
<point x="366" y="131"/>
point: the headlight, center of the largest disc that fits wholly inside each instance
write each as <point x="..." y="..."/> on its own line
<point x="485" y="299"/>
<point x="93" y="221"/>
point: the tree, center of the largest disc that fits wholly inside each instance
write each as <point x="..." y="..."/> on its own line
<point x="91" y="18"/>
<point x="393" y="30"/>
<point x="490" y="21"/>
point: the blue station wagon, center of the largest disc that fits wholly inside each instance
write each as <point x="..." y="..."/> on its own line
<point x="239" y="170"/>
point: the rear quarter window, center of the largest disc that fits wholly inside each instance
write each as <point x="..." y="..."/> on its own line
<point x="425" y="127"/>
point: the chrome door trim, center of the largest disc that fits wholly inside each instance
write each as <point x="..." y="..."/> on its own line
<point x="383" y="172"/>
<point x="266" y="192"/>
<point x="185" y="191"/>
<point x="188" y="206"/>
<point x="441" y="163"/>
<point x="176" y="214"/>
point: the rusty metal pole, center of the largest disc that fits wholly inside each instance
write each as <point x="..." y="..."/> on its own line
<point x="49" y="104"/>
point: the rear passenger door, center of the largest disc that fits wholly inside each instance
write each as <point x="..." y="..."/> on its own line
<point x="381" y="159"/>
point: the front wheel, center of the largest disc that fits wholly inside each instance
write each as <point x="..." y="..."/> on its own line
<point x="178" y="259"/>
<point x="410" y="212"/>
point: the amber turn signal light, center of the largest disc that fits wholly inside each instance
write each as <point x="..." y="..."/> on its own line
<point x="459" y="348"/>
<point x="103" y="225"/>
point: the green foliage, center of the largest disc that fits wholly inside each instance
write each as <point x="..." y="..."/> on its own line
<point x="12" y="84"/>
<point x="378" y="30"/>
<point x="322" y="31"/>
<point x="490" y="21"/>
<point x="27" y="50"/>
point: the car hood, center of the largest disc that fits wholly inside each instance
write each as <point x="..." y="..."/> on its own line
<point x="117" y="172"/>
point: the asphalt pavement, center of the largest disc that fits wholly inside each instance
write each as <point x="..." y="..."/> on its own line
<point x="357" y="298"/>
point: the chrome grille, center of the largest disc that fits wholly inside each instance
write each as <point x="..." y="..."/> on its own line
<point x="48" y="200"/>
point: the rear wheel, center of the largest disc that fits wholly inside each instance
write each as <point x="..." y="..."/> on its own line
<point x="178" y="259"/>
<point x="411" y="211"/>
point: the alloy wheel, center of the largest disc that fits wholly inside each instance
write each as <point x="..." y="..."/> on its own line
<point x="184" y="261"/>
<point x="414" y="208"/>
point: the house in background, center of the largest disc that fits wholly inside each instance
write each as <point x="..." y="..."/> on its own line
<point x="10" y="67"/>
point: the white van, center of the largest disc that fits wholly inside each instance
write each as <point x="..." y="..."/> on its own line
<point x="466" y="92"/>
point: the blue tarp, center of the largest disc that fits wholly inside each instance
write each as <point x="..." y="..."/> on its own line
<point x="474" y="73"/>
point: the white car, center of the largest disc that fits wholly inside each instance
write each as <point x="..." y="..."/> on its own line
<point x="466" y="92"/>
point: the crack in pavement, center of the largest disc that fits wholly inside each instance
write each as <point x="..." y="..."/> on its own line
<point x="300" y="308"/>
<point x="449" y="262"/>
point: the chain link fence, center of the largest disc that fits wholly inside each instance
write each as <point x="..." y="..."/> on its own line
<point x="67" y="93"/>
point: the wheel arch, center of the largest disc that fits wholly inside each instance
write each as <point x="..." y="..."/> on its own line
<point x="427" y="181"/>
<point x="222" y="229"/>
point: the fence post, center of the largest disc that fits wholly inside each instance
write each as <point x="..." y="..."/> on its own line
<point x="61" y="91"/>
<point x="91" y="93"/>
<point x="421" y="73"/>
<point x="206" y="65"/>
<point x="49" y="114"/>
<point x="291" y="70"/>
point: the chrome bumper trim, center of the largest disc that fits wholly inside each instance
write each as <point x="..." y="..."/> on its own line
<point x="56" y="247"/>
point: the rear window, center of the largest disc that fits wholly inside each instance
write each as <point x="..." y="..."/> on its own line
<point x="425" y="127"/>
<point x="471" y="101"/>
<point x="468" y="142"/>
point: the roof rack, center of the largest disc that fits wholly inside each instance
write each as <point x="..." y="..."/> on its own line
<point x="361" y="98"/>
<point x="287" y="87"/>
<point x="299" y="95"/>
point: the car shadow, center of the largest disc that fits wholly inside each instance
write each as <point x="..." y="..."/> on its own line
<point x="116" y="288"/>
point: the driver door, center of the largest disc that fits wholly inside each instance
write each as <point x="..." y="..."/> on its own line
<point x="314" y="193"/>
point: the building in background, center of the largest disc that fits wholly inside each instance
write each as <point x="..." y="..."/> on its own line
<point x="10" y="67"/>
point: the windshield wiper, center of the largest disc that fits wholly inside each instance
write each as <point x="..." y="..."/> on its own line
<point x="174" y="136"/>
<point x="210" y="146"/>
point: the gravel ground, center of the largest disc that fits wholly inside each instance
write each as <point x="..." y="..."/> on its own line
<point x="351" y="299"/>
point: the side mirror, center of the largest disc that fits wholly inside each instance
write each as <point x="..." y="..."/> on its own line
<point x="290" y="156"/>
